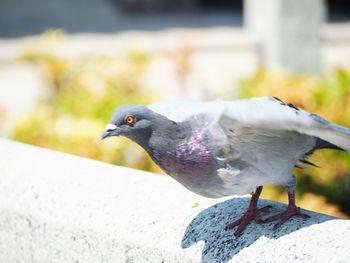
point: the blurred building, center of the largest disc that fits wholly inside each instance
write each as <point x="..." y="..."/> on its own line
<point x="20" y="18"/>
<point x="280" y="30"/>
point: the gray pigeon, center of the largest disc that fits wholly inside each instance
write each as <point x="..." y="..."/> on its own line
<point x="225" y="148"/>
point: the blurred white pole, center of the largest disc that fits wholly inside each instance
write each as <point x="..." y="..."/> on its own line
<point x="286" y="32"/>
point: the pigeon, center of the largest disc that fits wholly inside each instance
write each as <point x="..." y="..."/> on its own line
<point x="224" y="148"/>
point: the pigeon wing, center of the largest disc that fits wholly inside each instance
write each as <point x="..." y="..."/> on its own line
<point x="181" y="110"/>
<point x="272" y="113"/>
<point x="263" y="112"/>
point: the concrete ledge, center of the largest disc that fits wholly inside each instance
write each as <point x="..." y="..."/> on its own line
<point x="56" y="207"/>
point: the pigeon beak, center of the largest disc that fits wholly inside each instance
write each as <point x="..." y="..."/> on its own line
<point x="111" y="130"/>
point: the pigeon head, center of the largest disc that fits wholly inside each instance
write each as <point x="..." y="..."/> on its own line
<point x="135" y="122"/>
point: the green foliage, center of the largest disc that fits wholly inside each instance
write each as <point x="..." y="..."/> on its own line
<point x="328" y="96"/>
<point x="82" y="96"/>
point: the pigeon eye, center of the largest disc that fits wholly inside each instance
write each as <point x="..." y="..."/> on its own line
<point x="130" y="120"/>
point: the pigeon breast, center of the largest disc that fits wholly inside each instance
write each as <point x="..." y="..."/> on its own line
<point x="191" y="157"/>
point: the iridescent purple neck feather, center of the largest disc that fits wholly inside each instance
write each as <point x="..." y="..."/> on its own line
<point x="190" y="156"/>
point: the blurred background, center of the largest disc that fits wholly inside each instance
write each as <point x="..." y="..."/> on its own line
<point x="66" y="65"/>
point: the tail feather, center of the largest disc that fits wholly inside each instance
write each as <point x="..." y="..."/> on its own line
<point x="321" y="144"/>
<point x="338" y="136"/>
<point x="309" y="163"/>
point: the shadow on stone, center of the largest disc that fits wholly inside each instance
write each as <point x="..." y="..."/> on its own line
<point x="221" y="245"/>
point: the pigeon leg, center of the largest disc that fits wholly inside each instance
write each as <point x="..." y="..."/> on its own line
<point x="252" y="213"/>
<point x="292" y="211"/>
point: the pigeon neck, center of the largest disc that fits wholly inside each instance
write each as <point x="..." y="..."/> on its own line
<point x="162" y="134"/>
<point x="172" y="130"/>
<point x="166" y="135"/>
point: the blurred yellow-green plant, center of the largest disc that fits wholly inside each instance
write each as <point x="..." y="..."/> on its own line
<point x="82" y="96"/>
<point x="327" y="188"/>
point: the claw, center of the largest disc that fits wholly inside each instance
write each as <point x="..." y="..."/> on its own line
<point x="292" y="211"/>
<point x="289" y="213"/>
<point x="251" y="213"/>
<point x="247" y="217"/>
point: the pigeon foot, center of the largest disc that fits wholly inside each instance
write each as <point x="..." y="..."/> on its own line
<point x="247" y="217"/>
<point x="292" y="211"/>
<point x="285" y="216"/>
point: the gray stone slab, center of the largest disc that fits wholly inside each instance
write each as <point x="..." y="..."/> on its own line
<point x="56" y="207"/>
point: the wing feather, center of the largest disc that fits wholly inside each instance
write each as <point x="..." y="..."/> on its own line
<point x="181" y="110"/>
<point x="271" y="113"/>
<point x="263" y="112"/>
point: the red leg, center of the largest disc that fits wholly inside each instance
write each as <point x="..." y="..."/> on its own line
<point x="252" y="213"/>
<point x="292" y="211"/>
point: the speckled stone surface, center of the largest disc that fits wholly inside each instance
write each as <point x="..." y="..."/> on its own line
<point x="56" y="207"/>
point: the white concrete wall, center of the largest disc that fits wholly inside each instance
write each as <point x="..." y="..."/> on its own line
<point x="56" y="207"/>
<point x="287" y="32"/>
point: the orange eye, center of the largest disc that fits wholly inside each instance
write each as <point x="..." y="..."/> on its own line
<point x="130" y="119"/>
